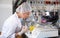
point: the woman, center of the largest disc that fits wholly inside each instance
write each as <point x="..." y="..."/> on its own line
<point x="13" y="26"/>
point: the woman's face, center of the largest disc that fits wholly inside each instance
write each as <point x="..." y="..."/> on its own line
<point x="25" y="15"/>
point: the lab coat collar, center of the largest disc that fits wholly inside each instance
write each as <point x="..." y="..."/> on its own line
<point x="16" y="15"/>
<point x="18" y="19"/>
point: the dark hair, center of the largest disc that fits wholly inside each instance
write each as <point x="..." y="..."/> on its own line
<point x="22" y="1"/>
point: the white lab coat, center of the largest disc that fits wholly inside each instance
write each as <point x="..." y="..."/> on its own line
<point x="11" y="26"/>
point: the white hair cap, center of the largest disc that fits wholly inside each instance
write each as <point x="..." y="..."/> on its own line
<point x="24" y="7"/>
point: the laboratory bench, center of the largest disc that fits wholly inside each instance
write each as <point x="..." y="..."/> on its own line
<point x="41" y="32"/>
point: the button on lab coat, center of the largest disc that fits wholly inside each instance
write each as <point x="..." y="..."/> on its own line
<point x="11" y="26"/>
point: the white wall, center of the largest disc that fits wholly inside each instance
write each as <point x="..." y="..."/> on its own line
<point x="5" y="10"/>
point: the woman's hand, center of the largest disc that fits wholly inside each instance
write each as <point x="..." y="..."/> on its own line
<point x="24" y="29"/>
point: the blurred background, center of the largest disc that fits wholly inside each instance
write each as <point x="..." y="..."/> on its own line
<point x="8" y="7"/>
<point x="39" y="9"/>
<point x="5" y="10"/>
